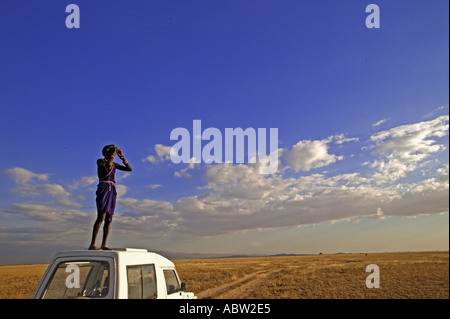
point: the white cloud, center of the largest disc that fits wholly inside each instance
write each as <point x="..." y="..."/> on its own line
<point x="228" y="173"/>
<point x="380" y="122"/>
<point x="443" y="174"/>
<point x="162" y="154"/>
<point x="306" y="155"/>
<point x="149" y="218"/>
<point x="23" y="176"/>
<point x="154" y="186"/>
<point x="402" y="148"/>
<point x="83" y="182"/>
<point x="151" y="159"/>
<point x="163" y="151"/>
<point x="418" y="132"/>
<point x="237" y="198"/>
<point x="46" y="224"/>
<point x="434" y="112"/>
<point x="391" y="169"/>
<point x="69" y="203"/>
<point x="183" y="171"/>
<point x="55" y="191"/>
<point x="263" y="203"/>
<point x="48" y="213"/>
<point x="33" y="185"/>
<point x="340" y="139"/>
<point x="145" y="207"/>
<point x="121" y="189"/>
<point x="378" y="215"/>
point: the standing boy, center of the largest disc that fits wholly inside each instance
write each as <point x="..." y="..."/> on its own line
<point x="106" y="192"/>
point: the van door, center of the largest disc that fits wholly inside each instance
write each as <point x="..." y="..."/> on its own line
<point x="172" y="284"/>
<point x="78" y="278"/>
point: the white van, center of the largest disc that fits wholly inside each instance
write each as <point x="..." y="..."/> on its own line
<point x="111" y="274"/>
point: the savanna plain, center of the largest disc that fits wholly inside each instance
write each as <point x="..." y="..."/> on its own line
<point x="403" y="275"/>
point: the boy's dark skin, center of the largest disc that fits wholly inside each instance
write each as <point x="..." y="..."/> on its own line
<point x="102" y="172"/>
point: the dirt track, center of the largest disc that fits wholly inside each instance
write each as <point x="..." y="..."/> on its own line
<point x="239" y="289"/>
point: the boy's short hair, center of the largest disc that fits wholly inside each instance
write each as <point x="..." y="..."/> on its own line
<point x="107" y="150"/>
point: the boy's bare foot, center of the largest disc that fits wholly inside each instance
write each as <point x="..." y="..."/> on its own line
<point x="106" y="248"/>
<point x="93" y="247"/>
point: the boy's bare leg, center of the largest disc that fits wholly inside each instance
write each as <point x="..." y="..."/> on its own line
<point x="106" y="229"/>
<point x="95" y="230"/>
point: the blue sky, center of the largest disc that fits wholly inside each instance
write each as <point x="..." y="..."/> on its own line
<point x="362" y="118"/>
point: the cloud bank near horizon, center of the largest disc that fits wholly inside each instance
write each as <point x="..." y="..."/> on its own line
<point x="237" y="198"/>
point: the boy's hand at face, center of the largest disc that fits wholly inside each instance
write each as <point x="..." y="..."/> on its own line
<point x="119" y="152"/>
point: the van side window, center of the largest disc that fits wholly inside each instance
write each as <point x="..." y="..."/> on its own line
<point x="148" y="282"/>
<point x="141" y="282"/>
<point x="172" y="283"/>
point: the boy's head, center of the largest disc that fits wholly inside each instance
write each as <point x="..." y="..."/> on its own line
<point x="108" y="150"/>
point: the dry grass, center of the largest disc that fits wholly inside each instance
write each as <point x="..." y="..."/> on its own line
<point x="402" y="275"/>
<point x="19" y="282"/>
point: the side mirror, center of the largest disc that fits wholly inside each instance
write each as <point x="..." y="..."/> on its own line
<point x="183" y="286"/>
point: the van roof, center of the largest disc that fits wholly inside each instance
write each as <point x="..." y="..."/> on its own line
<point x="127" y="256"/>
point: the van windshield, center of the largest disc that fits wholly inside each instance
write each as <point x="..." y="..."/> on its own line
<point x="79" y="279"/>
